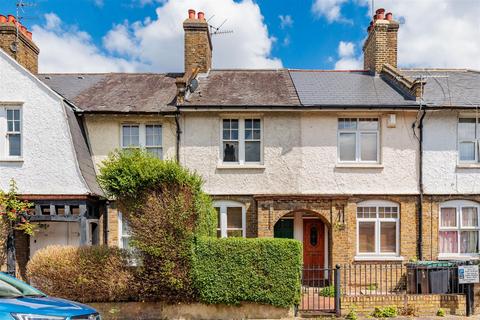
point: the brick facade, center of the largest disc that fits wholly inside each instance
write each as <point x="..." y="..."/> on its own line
<point x="418" y="305"/>
<point x="26" y="53"/>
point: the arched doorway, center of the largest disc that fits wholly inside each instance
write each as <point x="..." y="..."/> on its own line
<point x="309" y="228"/>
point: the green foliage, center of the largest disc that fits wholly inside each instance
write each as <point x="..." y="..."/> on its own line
<point x="232" y="270"/>
<point x="15" y="212"/>
<point x="441" y="313"/>
<point x="386" y="312"/>
<point x="166" y="210"/>
<point x="86" y="274"/>
<point x="352" y="315"/>
<point x="327" y="291"/>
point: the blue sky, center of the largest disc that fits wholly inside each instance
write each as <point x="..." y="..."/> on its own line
<point x="315" y="34"/>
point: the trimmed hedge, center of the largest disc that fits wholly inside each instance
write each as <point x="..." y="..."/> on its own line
<point x="234" y="270"/>
<point x="85" y="274"/>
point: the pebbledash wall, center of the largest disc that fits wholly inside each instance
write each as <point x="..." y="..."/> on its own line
<point x="300" y="172"/>
<point x="104" y="132"/>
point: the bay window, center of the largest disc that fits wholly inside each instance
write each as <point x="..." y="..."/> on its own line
<point x="147" y="136"/>
<point x="468" y="136"/>
<point x="231" y="219"/>
<point x="241" y="141"/>
<point x="377" y="228"/>
<point x="459" y="228"/>
<point x="358" y="140"/>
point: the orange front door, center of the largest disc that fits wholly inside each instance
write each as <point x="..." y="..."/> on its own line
<point x="313" y="243"/>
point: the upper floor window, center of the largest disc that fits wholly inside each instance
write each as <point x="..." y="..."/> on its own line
<point x="377" y="228"/>
<point x="10" y="132"/>
<point x="459" y="228"/>
<point x="358" y="140"/>
<point x="241" y="141"/>
<point x="468" y="136"/>
<point x="148" y="136"/>
<point x="231" y="219"/>
<point x="14" y="132"/>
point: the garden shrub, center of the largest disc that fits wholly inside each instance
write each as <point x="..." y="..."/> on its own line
<point x="233" y="270"/>
<point x="86" y="274"/>
<point x="386" y="312"/>
<point x="166" y="210"/>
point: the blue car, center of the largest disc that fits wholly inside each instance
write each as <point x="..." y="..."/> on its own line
<point x="19" y="301"/>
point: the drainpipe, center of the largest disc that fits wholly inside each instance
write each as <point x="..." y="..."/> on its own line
<point x="179" y="133"/>
<point x="420" y="186"/>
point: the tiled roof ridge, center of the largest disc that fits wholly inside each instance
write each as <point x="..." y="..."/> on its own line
<point x="323" y="70"/>
<point x="103" y="73"/>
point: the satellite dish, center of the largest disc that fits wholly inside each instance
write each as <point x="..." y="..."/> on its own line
<point x="193" y="85"/>
<point x="13" y="47"/>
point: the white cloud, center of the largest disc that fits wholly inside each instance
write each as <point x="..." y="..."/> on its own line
<point x="436" y="33"/>
<point x="157" y="44"/>
<point x="66" y="49"/>
<point x="347" y="59"/>
<point x="99" y="3"/>
<point x="286" y="21"/>
<point x="330" y="9"/>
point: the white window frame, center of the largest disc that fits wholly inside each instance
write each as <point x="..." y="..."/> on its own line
<point x="358" y="133"/>
<point x="142" y="139"/>
<point x="475" y="140"/>
<point x="121" y="235"/>
<point x="241" y="140"/>
<point x="4" y="133"/>
<point x="223" y="205"/>
<point x="458" y="205"/>
<point x="378" y="204"/>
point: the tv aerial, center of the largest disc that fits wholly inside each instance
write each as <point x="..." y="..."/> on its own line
<point x="218" y="30"/>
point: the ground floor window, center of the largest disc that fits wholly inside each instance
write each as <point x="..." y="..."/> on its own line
<point x="123" y="233"/>
<point x="377" y="228"/>
<point x="231" y="219"/>
<point x="459" y="228"/>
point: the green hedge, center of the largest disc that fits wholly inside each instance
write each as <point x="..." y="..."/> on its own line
<point x="233" y="270"/>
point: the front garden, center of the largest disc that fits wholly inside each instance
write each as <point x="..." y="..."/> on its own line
<point x="178" y="257"/>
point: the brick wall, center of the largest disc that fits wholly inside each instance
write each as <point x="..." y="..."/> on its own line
<point x="27" y="52"/>
<point x="112" y="225"/>
<point x="421" y="305"/>
<point x="22" y="249"/>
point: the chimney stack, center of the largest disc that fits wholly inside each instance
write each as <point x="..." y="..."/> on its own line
<point x="381" y="45"/>
<point x="22" y="49"/>
<point x="198" y="43"/>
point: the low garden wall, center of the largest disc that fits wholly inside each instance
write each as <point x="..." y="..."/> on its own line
<point x="406" y="304"/>
<point x="151" y="311"/>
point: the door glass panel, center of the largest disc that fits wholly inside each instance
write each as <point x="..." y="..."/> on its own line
<point x="313" y="236"/>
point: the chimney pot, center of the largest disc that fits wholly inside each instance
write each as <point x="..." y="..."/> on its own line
<point x="23" y="29"/>
<point x="11" y="19"/>
<point x="201" y="16"/>
<point x="3" y="19"/>
<point x="389" y="16"/>
<point x="191" y="14"/>
<point x="29" y="35"/>
<point x="380" y="11"/>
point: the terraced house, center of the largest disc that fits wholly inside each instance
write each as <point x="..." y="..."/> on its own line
<point x="375" y="165"/>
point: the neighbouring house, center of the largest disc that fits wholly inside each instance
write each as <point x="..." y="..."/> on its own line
<point x="43" y="147"/>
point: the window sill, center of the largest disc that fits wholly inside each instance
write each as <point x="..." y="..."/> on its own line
<point x="240" y="166"/>
<point x="468" y="166"/>
<point x="11" y="159"/>
<point x="359" y="165"/>
<point x="378" y="258"/>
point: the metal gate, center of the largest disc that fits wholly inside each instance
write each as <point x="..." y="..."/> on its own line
<point x="320" y="290"/>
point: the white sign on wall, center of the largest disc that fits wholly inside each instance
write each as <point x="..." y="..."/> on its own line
<point x="468" y="274"/>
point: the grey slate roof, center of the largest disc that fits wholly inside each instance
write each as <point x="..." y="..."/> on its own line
<point x="456" y="87"/>
<point x="116" y="92"/>
<point x="84" y="158"/>
<point x="346" y="89"/>
<point x="245" y="88"/>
